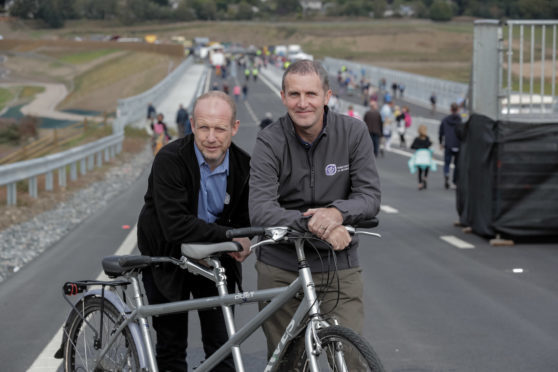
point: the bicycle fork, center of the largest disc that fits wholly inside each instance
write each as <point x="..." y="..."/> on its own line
<point x="311" y="340"/>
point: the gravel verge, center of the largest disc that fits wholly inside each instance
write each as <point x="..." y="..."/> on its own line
<point x="18" y="247"/>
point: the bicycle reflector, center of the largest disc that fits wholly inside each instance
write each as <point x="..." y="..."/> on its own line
<point x="73" y="288"/>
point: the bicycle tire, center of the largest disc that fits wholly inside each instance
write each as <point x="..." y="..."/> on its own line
<point x="363" y="358"/>
<point x="79" y="348"/>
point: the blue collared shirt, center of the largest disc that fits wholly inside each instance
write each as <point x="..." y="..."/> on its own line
<point x="213" y="188"/>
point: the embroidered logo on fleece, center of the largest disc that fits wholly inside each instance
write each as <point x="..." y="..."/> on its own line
<point x="332" y="169"/>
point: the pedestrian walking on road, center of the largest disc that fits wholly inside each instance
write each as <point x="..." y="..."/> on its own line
<point x="333" y="103"/>
<point x="422" y="158"/>
<point x="266" y="120"/>
<point x="450" y="143"/>
<point x="403" y="123"/>
<point x="236" y="92"/>
<point x="388" y="119"/>
<point x="244" y="91"/>
<point x="352" y="113"/>
<point x="160" y="134"/>
<point x="183" y="122"/>
<point x="401" y="90"/>
<point x="394" y="87"/>
<point x="151" y="113"/>
<point x="374" y="122"/>
<point x="433" y="100"/>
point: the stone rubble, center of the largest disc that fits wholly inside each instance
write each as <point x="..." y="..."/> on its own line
<point x="19" y="244"/>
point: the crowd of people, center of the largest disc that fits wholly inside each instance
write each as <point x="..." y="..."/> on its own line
<point x="202" y="184"/>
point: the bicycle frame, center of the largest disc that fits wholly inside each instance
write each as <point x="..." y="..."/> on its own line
<point x="309" y="306"/>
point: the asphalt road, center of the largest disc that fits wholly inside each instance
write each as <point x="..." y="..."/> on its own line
<point x="430" y="305"/>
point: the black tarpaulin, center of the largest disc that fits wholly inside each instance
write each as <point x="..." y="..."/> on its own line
<point x="508" y="177"/>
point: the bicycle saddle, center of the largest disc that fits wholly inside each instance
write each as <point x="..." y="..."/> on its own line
<point x="115" y="266"/>
<point x="199" y="251"/>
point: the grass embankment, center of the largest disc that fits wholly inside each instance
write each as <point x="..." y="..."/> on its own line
<point x="99" y="88"/>
<point x="6" y="96"/>
<point x="85" y="56"/>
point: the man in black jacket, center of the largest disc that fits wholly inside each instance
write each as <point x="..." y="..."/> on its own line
<point x="197" y="190"/>
<point x="450" y="143"/>
<point x="183" y="122"/>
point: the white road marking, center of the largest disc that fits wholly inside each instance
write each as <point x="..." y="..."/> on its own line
<point x="455" y="241"/>
<point x="517" y="270"/>
<point x="251" y="112"/>
<point x="388" y="209"/>
<point x="45" y="361"/>
<point x="270" y="85"/>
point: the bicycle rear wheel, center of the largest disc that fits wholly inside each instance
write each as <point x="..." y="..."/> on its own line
<point x="342" y="350"/>
<point x="81" y="348"/>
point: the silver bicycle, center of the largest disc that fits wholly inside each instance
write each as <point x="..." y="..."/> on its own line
<point x="107" y="331"/>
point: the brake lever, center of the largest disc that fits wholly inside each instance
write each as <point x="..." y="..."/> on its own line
<point x="353" y="231"/>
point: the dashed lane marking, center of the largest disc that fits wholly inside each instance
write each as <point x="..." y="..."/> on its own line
<point x="45" y="361"/>
<point x="250" y="111"/>
<point x="270" y="85"/>
<point x="456" y="242"/>
<point x="388" y="209"/>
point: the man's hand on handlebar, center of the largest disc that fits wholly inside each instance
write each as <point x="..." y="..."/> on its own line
<point x="241" y="256"/>
<point x="339" y="238"/>
<point x="323" y="221"/>
<point x="326" y="224"/>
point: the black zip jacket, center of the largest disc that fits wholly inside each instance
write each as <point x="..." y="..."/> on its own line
<point x="169" y="215"/>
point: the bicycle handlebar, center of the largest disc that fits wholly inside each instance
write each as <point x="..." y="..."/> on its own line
<point x="245" y="232"/>
<point x="250" y="232"/>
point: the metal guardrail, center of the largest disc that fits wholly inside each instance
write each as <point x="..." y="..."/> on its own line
<point x="85" y="157"/>
<point x="130" y="110"/>
<point x="133" y="109"/>
<point x="514" y="70"/>
<point x="418" y="88"/>
<point x="201" y="88"/>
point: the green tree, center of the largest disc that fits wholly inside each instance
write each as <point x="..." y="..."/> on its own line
<point x="440" y="10"/>
<point x="96" y="9"/>
<point x="67" y="9"/>
<point x="421" y="11"/>
<point x="284" y="7"/>
<point x="244" y="11"/>
<point x="184" y="12"/>
<point x="49" y="12"/>
<point x="24" y="8"/>
<point x="205" y="9"/>
<point x="356" y="8"/>
<point x="132" y="11"/>
<point x="379" y="8"/>
<point x="535" y="8"/>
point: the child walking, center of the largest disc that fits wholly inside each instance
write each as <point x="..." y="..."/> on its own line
<point x="422" y="159"/>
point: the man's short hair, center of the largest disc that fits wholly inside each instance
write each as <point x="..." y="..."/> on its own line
<point x="454" y="108"/>
<point x="215" y="94"/>
<point x="305" y="66"/>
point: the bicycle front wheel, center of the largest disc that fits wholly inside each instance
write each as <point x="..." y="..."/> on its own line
<point x="342" y="350"/>
<point x="83" y="345"/>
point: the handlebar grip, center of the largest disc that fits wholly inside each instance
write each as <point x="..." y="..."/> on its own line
<point x="373" y="222"/>
<point x="245" y="232"/>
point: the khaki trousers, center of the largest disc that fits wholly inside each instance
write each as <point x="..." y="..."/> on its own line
<point x="349" y="311"/>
